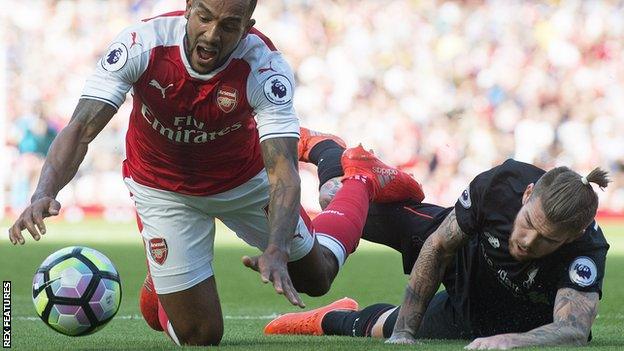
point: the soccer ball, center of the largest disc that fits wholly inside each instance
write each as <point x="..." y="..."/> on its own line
<point x="76" y="291"/>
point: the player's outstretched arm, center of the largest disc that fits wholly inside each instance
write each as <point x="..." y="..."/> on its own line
<point x="280" y="160"/>
<point x="65" y="155"/>
<point x="573" y="316"/>
<point x="426" y="276"/>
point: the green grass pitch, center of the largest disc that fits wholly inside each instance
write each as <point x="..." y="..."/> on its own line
<point x="372" y="274"/>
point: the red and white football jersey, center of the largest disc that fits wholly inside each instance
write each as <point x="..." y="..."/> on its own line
<point x="191" y="133"/>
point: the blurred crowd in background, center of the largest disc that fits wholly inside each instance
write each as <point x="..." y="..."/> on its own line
<point x="446" y="90"/>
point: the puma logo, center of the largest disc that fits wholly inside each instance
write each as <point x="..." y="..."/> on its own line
<point x="270" y="68"/>
<point x="156" y="85"/>
<point x="134" y="40"/>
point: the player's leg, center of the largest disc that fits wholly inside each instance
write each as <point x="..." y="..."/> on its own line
<point x="338" y="318"/>
<point x="250" y="223"/>
<point x="385" y="222"/>
<point x="403" y="226"/>
<point x="324" y="151"/>
<point x="315" y="263"/>
<point x="193" y="316"/>
<point x="339" y="227"/>
<point x="179" y="246"/>
<point x="311" y="265"/>
<point x="441" y="321"/>
<point x="337" y="233"/>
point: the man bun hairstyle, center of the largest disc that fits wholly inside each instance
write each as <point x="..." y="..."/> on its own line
<point x="568" y="199"/>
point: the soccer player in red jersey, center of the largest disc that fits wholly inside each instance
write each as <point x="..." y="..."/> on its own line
<point x="212" y="134"/>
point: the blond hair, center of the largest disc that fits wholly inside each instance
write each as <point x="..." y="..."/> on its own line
<point x="568" y="199"/>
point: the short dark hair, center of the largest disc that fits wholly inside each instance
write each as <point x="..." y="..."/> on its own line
<point x="568" y="199"/>
<point x="252" y="6"/>
<point x="250" y="9"/>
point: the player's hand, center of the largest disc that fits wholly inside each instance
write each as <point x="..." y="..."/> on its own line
<point x="272" y="266"/>
<point x="496" y="342"/>
<point x="402" y="338"/>
<point x="32" y="219"/>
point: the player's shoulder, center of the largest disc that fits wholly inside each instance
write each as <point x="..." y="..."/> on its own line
<point x="518" y="170"/>
<point x="592" y="240"/>
<point x="511" y="173"/>
<point x="502" y="184"/>
<point x="262" y="56"/>
<point x="162" y="30"/>
<point x="584" y="259"/>
<point x="269" y="71"/>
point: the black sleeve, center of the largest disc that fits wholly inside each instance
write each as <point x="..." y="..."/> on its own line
<point x="469" y="207"/>
<point x="497" y="192"/>
<point x="583" y="268"/>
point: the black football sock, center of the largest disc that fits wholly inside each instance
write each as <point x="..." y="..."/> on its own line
<point x="326" y="156"/>
<point x="353" y="323"/>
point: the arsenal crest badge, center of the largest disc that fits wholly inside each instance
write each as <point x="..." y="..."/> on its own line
<point x="158" y="250"/>
<point x="227" y="98"/>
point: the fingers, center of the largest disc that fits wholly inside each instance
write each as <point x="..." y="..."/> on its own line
<point x="277" y="284"/>
<point x="476" y="344"/>
<point x="283" y="285"/>
<point x="254" y="263"/>
<point x="251" y="262"/>
<point x="28" y="222"/>
<point x="265" y="274"/>
<point x="38" y="220"/>
<point x="32" y="220"/>
<point x="399" y="341"/>
<point x="54" y="208"/>
<point x="15" y="234"/>
<point x="276" y="272"/>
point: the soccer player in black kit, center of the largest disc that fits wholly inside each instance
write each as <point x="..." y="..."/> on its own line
<point x="520" y="256"/>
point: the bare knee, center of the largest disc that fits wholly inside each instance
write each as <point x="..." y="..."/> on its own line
<point x="313" y="275"/>
<point x="195" y="314"/>
<point x="201" y="334"/>
<point x="315" y="288"/>
<point x="319" y="290"/>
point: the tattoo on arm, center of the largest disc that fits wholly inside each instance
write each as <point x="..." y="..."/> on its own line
<point x="280" y="160"/>
<point x="70" y="146"/>
<point x="427" y="273"/>
<point x="573" y="316"/>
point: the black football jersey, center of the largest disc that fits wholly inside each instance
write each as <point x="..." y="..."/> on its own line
<point x="495" y="292"/>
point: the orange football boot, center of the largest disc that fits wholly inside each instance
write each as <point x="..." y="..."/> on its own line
<point x="389" y="183"/>
<point x="309" y="138"/>
<point x="309" y="322"/>
<point x="148" y="302"/>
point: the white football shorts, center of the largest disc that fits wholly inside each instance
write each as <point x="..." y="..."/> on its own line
<point x="178" y="230"/>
